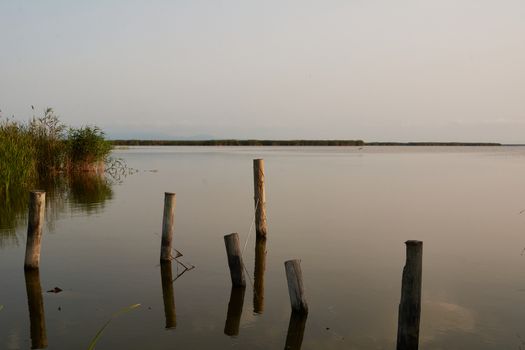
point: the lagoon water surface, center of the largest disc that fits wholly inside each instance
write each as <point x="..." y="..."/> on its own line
<point x="344" y="211"/>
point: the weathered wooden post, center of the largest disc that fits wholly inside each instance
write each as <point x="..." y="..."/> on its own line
<point x="258" y="274"/>
<point x="294" y="337"/>
<point x="167" y="294"/>
<point x="233" y="250"/>
<point x="259" y="198"/>
<point x="294" y="276"/>
<point x="35" y="221"/>
<point x="233" y="316"/>
<point x="168" y="222"/>
<point x="410" y="305"/>
<point x="35" y="301"/>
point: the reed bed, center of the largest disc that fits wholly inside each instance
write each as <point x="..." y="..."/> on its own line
<point x="45" y="146"/>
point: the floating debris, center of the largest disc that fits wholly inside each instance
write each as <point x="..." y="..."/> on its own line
<point x="55" y="290"/>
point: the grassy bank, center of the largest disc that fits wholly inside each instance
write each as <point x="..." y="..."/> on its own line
<point x="45" y="146"/>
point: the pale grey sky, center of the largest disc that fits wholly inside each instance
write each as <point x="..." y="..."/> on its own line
<point x="445" y="70"/>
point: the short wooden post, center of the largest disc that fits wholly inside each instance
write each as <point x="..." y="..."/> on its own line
<point x="233" y="316"/>
<point x="35" y="221"/>
<point x="35" y="301"/>
<point x="233" y="250"/>
<point x="168" y="223"/>
<point x="410" y="305"/>
<point x="259" y="198"/>
<point x="167" y="294"/>
<point x="258" y="275"/>
<point x="294" y="276"/>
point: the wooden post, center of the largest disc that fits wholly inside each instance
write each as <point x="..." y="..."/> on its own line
<point x="259" y="198"/>
<point x="258" y="275"/>
<point x="294" y="276"/>
<point x="35" y="221"/>
<point x="233" y="250"/>
<point x="410" y="305"/>
<point x="168" y="222"/>
<point x="167" y="294"/>
<point x="233" y="316"/>
<point x="294" y="337"/>
<point x="35" y="301"/>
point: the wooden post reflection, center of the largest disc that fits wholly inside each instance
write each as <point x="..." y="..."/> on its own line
<point x="35" y="302"/>
<point x="233" y="317"/>
<point x="258" y="275"/>
<point x="167" y="294"/>
<point x="294" y="338"/>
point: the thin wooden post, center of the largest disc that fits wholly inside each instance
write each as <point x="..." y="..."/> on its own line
<point x="167" y="294"/>
<point x="168" y="222"/>
<point x="294" y="276"/>
<point x="35" y="221"/>
<point x="233" y="250"/>
<point x="259" y="198"/>
<point x="233" y="316"/>
<point x="258" y="274"/>
<point x="410" y="305"/>
<point x="35" y="301"/>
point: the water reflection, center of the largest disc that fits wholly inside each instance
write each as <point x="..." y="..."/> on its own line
<point x="294" y="338"/>
<point x="85" y="191"/>
<point x="36" y="309"/>
<point x="233" y="317"/>
<point x="167" y="294"/>
<point x="258" y="275"/>
<point x="89" y="191"/>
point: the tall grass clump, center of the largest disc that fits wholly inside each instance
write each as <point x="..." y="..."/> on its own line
<point x="87" y="146"/>
<point x="18" y="164"/>
<point x="48" y="135"/>
<point x="45" y="146"/>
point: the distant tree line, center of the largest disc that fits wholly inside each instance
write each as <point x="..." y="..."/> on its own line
<point x="238" y="142"/>
<point x="233" y="142"/>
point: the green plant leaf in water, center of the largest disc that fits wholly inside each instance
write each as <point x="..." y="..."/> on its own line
<point x="101" y="330"/>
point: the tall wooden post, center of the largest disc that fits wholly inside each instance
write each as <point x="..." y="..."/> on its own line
<point x="410" y="305"/>
<point x="233" y="250"/>
<point x="35" y="221"/>
<point x="259" y="198"/>
<point x="35" y="301"/>
<point x="168" y="223"/>
<point x="167" y="294"/>
<point x="258" y="274"/>
<point x="294" y="276"/>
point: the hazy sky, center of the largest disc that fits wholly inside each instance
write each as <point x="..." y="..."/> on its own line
<point x="369" y="69"/>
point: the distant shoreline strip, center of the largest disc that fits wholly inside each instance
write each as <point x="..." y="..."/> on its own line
<point x="289" y="143"/>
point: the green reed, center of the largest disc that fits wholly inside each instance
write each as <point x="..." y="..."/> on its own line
<point x="45" y="146"/>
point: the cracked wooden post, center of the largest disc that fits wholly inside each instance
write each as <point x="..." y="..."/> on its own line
<point x="294" y="276"/>
<point x="410" y="304"/>
<point x="259" y="198"/>
<point x="233" y="250"/>
<point x="35" y="221"/>
<point x="168" y="222"/>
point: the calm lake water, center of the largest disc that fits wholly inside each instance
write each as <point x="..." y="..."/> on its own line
<point x="344" y="211"/>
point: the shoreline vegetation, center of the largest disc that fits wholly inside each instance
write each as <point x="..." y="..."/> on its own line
<point x="233" y="142"/>
<point x="45" y="147"/>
